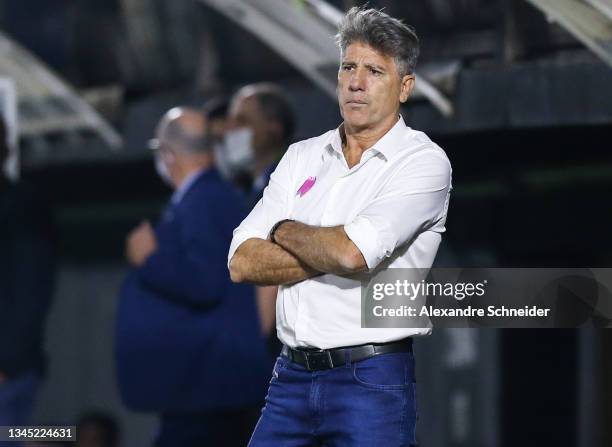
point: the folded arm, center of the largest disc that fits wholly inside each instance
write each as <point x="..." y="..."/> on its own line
<point x="414" y="199"/>
<point x="326" y="249"/>
<point x="264" y="263"/>
<point x="301" y="251"/>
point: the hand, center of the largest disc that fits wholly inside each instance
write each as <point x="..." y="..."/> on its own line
<point x="140" y="244"/>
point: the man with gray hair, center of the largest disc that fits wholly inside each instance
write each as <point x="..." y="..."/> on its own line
<point x="368" y="196"/>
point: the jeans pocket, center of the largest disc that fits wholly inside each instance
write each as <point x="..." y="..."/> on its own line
<point x="384" y="372"/>
<point x="279" y="365"/>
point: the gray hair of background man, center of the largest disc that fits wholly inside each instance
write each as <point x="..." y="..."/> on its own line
<point x="186" y="129"/>
<point x="386" y="34"/>
<point x="273" y="104"/>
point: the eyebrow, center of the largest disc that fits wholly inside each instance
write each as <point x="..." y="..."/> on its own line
<point x="375" y="66"/>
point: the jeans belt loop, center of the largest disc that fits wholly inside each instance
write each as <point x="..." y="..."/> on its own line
<point x="329" y="358"/>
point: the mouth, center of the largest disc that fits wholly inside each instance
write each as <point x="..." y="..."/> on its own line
<point x="355" y="102"/>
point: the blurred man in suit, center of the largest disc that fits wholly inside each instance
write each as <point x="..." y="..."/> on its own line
<point x="259" y="127"/>
<point x="27" y="270"/>
<point x="189" y="342"/>
<point x="259" y="130"/>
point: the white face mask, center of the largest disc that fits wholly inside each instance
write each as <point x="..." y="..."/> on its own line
<point x="235" y="154"/>
<point x="162" y="169"/>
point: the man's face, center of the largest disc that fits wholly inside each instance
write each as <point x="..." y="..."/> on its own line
<point x="369" y="87"/>
<point x="164" y="154"/>
<point x="245" y="113"/>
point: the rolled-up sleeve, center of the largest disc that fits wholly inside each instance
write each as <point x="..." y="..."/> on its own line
<point x="273" y="206"/>
<point x="414" y="200"/>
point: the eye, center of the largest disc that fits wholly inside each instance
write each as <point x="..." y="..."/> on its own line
<point x="375" y="72"/>
<point x="347" y="67"/>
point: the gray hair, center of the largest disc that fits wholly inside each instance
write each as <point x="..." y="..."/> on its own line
<point x="186" y="129"/>
<point x="386" y="34"/>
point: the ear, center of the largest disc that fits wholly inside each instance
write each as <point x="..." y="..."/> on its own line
<point x="406" y="87"/>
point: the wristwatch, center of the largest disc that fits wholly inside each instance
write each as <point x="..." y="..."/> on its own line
<point x="275" y="227"/>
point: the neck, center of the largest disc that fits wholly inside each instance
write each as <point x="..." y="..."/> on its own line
<point x="359" y="140"/>
<point x="184" y="173"/>
<point x="356" y="141"/>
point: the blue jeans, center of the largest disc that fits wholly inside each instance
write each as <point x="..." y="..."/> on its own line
<point x="367" y="403"/>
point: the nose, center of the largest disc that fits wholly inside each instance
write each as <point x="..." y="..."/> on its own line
<point x="357" y="80"/>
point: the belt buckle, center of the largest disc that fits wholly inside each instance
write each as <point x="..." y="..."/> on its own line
<point x="318" y="360"/>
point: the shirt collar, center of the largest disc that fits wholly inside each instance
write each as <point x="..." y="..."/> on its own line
<point x="336" y="139"/>
<point x="184" y="187"/>
<point x="392" y="141"/>
<point x="388" y="145"/>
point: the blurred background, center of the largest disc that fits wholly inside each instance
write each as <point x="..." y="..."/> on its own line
<point x="517" y="92"/>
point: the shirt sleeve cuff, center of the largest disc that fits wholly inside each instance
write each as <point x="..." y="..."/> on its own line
<point x="237" y="240"/>
<point x="370" y="241"/>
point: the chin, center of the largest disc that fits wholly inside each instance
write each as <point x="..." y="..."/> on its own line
<point x="355" y="117"/>
<point x="356" y="121"/>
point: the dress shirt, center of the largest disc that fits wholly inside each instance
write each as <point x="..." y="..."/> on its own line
<point x="393" y="206"/>
<point x="256" y="192"/>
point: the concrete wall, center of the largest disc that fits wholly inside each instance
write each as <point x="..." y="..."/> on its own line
<point x="81" y="373"/>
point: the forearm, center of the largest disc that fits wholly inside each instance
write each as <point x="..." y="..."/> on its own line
<point x="264" y="263"/>
<point x="326" y="249"/>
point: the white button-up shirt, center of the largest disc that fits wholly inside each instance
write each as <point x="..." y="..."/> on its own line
<point x="393" y="206"/>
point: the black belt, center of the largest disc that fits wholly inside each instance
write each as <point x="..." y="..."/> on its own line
<point x="319" y="359"/>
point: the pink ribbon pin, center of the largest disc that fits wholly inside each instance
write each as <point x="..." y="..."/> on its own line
<point x="308" y="183"/>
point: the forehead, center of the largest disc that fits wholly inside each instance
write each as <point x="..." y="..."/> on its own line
<point x="244" y="104"/>
<point x="364" y="53"/>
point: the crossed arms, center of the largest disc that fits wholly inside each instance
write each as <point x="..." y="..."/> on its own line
<point x="301" y="251"/>
<point x="414" y="198"/>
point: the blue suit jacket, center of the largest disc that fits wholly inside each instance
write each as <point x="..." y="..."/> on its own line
<point x="188" y="339"/>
